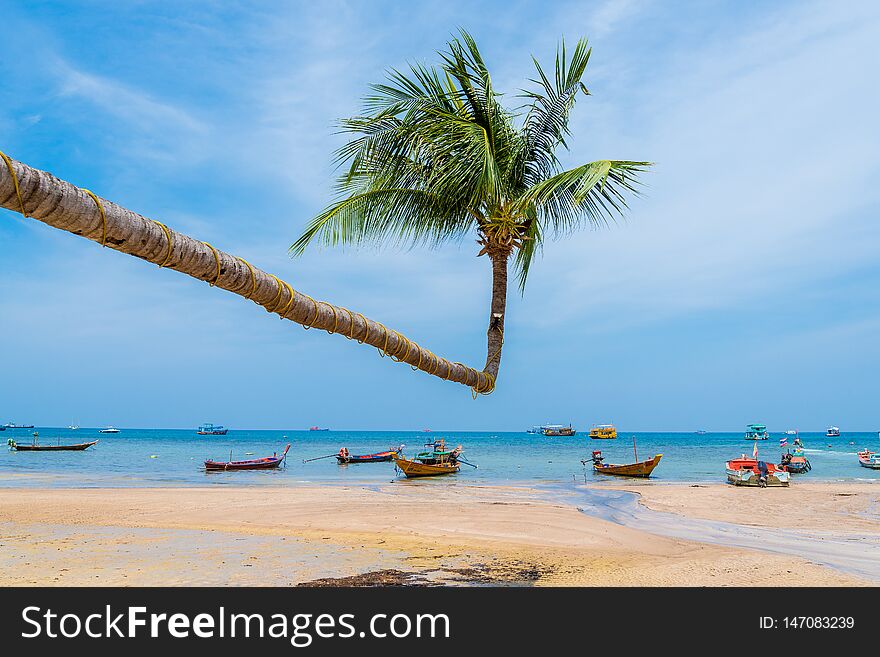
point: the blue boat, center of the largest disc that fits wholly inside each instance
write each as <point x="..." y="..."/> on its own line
<point x="757" y="432"/>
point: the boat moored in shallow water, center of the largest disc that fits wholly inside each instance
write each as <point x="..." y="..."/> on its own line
<point x="795" y="462"/>
<point x="267" y="463"/>
<point x="344" y="457"/>
<point x="435" y="460"/>
<point x="36" y="447"/>
<point x="869" y="459"/>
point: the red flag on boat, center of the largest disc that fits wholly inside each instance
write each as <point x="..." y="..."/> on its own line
<point x="755" y="451"/>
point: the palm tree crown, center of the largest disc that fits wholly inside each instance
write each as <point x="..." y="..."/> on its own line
<point x="435" y="156"/>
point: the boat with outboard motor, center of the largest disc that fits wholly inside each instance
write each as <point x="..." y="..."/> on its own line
<point x="635" y="469"/>
<point x="746" y="471"/>
<point x="795" y="462"/>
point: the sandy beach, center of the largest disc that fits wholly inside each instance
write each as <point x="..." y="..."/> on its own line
<point x="403" y="533"/>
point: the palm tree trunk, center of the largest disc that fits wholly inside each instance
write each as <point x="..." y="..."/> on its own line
<point x="61" y="205"/>
<point x="495" y="334"/>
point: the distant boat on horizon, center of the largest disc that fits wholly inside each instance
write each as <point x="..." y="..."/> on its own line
<point x="317" y="428"/>
<point x="757" y="432"/>
<point x="212" y="430"/>
<point x="109" y="430"/>
<point x="13" y="425"/>
<point x="701" y="432"/>
<point x="833" y="432"/>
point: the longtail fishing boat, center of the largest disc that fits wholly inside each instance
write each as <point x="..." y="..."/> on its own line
<point x="344" y="457"/>
<point x="435" y="460"/>
<point x="636" y="469"/>
<point x="266" y="463"/>
<point x="416" y="469"/>
<point x="34" y="447"/>
<point x="794" y="460"/>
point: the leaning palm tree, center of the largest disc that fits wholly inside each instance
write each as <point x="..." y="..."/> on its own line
<point x="435" y="156"/>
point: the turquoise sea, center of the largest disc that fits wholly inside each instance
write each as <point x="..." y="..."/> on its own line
<point x="160" y="457"/>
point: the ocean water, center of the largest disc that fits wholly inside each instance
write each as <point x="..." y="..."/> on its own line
<point x="158" y="457"/>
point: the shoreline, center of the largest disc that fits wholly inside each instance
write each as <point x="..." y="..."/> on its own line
<point x="461" y="534"/>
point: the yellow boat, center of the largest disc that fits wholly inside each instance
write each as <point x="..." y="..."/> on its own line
<point x="418" y="469"/>
<point x="603" y="432"/>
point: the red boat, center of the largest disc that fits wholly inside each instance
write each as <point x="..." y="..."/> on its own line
<point x="266" y="463"/>
<point x="746" y="471"/>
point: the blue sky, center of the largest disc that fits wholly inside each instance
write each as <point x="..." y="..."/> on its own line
<point x="743" y="287"/>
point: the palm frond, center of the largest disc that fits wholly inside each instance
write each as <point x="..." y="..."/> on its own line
<point x="594" y="192"/>
<point x="381" y="215"/>
<point x="546" y="124"/>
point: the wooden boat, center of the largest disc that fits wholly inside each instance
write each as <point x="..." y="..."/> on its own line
<point x="603" y="432"/>
<point x="746" y="471"/>
<point x="437" y="453"/>
<point x="265" y="463"/>
<point x="555" y="430"/>
<point x="345" y="458"/>
<point x="211" y="430"/>
<point x="869" y="459"/>
<point x="637" y="469"/>
<point x="435" y="460"/>
<point x="419" y="469"/>
<point x="49" y="448"/>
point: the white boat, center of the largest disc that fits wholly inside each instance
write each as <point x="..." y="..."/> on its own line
<point x="109" y="430"/>
<point x="791" y="432"/>
<point x="833" y="432"/>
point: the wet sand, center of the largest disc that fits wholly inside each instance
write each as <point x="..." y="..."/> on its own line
<point x="403" y="533"/>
